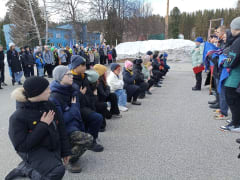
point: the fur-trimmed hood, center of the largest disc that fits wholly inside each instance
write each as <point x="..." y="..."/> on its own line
<point x="18" y="95"/>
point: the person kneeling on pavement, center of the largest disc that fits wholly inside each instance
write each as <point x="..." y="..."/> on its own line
<point x="147" y="70"/>
<point x="157" y="74"/>
<point x="139" y="77"/>
<point x="92" y="120"/>
<point x="116" y="86"/>
<point x="64" y="94"/>
<point x="133" y="91"/>
<point x="103" y="92"/>
<point x="37" y="132"/>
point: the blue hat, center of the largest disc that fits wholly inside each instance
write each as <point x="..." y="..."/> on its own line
<point x="76" y="61"/>
<point x="199" y="39"/>
<point x="165" y="54"/>
<point x="114" y="66"/>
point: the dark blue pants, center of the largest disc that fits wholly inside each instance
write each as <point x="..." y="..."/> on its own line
<point x="93" y="124"/>
<point x="28" y="71"/>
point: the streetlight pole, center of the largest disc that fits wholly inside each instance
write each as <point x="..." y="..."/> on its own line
<point x="166" y="21"/>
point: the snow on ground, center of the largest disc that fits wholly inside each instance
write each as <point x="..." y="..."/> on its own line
<point x="178" y="49"/>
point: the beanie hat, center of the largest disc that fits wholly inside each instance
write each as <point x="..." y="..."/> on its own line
<point x="149" y="53"/>
<point x="114" y="66"/>
<point x="59" y="72"/>
<point x="199" y="39"/>
<point x="34" y="86"/>
<point x="128" y="64"/>
<point x="235" y="24"/>
<point x="165" y="54"/>
<point x="76" y="61"/>
<point x="100" y="69"/>
<point x="138" y="61"/>
<point x="92" y="76"/>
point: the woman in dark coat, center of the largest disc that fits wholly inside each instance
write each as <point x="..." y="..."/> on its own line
<point x="15" y="64"/>
<point x="139" y="77"/>
<point x="129" y="80"/>
<point x="37" y="133"/>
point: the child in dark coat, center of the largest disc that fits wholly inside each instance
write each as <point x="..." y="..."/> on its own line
<point x="37" y="132"/>
<point x="133" y="91"/>
<point x="64" y="94"/>
<point x="139" y="77"/>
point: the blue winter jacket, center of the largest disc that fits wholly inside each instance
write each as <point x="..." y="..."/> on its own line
<point x="61" y="96"/>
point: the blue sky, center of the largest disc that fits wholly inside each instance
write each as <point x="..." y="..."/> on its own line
<point x="159" y="6"/>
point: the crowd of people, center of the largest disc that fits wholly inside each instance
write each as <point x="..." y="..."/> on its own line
<point x="220" y="55"/>
<point x="23" y="62"/>
<point x="56" y="122"/>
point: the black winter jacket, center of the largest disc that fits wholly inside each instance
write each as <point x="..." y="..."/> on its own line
<point x="28" y="133"/>
<point x="27" y="59"/>
<point x="13" y="61"/>
<point x="103" y="91"/>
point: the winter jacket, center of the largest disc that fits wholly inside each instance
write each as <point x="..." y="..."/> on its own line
<point x="61" y="96"/>
<point x="114" y="53"/>
<point x="63" y="56"/>
<point x="48" y="57"/>
<point x="233" y="62"/>
<point x="27" y="59"/>
<point x="103" y="91"/>
<point x="87" y="100"/>
<point x="197" y="55"/>
<point x="145" y="72"/>
<point x="2" y="56"/>
<point x="40" y="62"/>
<point x="137" y="71"/>
<point x="68" y="56"/>
<point x="114" y="82"/>
<point x="101" y="52"/>
<point x="129" y="82"/>
<point x="13" y="61"/>
<point x="155" y="65"/>
<point x="29" y="134"/>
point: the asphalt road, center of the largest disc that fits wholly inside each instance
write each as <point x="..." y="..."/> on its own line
<point x="171" y="136"/>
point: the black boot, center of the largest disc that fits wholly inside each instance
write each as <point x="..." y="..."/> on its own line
<point x="196" y="89"/>
<point x="136" y="102"/>
<point x="215" y="106"/>
<point x="148" y="92"/>
<point x="212" y="102"/>
<point x="95" y="147"/>
<point x="13" y="82"/>
<point x="21" y="171"/>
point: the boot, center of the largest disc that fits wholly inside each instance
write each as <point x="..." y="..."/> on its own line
<point x="13" y="82"/>
<point x="19" y="83"/>
<point x="212" y="102"/>
<point x="136" y="102"/>
<point x="196" y="89"/>
<point x="148" y="92"/>
<point x="95" y="147"/>
<point x="215" y="106"/>
<point x="142" y="96"/>
<point x="21" y="171"/>
<point x="74" y="168"/>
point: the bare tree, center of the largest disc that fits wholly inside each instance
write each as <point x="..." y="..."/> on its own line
<point x="25" y="17"/>
<point x="71" y="11"/>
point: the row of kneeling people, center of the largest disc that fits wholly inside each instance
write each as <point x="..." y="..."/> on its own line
<point x="55" y="124"/>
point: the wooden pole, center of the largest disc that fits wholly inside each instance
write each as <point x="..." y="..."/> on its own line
<point x="166" y="21"/>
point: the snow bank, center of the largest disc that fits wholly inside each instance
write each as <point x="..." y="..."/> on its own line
<point x="134" y="49"/>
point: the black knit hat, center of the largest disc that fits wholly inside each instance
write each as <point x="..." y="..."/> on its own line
<point x="34" y="86"/>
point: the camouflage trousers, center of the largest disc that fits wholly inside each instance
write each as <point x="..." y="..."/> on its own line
<point x="80" y="142"/>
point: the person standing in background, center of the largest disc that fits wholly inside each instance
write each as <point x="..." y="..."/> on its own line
<point x="48" y="58"/>
<point x="2" y="67"/>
